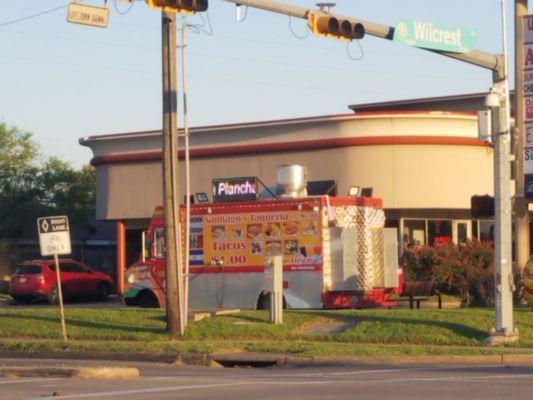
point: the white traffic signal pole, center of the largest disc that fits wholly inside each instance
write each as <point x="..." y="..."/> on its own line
<point x="504" y="329"/>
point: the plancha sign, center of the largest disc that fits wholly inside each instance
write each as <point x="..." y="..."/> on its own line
<point x="54" y="235"/>
<point x="87" y="15"/>
<point x="235" y="189"/>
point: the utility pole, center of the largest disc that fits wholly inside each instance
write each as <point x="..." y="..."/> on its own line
<point x="521" y="205"/>
<point x="184" y="27"/>
<point x="170" y="173"/>
<point x="498" y="102"/>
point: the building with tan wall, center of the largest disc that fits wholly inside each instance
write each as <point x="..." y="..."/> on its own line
<point x="425" y="165"/>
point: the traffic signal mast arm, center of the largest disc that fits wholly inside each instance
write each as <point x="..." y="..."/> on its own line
<point x="480" y="58"/>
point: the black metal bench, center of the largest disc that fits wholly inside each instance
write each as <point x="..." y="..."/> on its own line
<point x="418" y="291"/>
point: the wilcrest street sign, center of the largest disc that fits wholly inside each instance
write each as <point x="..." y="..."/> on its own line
<point x="435" y="37"/>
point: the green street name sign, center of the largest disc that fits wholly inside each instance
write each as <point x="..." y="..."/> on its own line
<point x="435" y="37"/>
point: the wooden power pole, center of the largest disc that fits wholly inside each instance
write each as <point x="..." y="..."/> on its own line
<point x="170" y="174"/>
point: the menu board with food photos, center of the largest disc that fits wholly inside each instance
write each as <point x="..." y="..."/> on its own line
<point x="245" y="239"/>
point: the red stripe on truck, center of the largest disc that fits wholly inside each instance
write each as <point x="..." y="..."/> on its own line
<point x="251" y="268"/>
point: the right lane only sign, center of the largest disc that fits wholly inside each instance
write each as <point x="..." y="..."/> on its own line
<point x="54" y="235"/>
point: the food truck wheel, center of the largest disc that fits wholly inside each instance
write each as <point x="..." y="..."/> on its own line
<point x="263" y="302"/>
<point x="102" y="291"/>
<point x="147" y="299"/>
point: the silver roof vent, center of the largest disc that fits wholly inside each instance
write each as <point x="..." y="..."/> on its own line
<point x="291" y="181"/>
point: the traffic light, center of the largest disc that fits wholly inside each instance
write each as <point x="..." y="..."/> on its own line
<point x="335" y="27"/>
<point x="482" y="206"/>
<point x="180" y="6"/>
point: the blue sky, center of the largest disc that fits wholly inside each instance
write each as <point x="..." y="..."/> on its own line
<point x="63" y="81"/>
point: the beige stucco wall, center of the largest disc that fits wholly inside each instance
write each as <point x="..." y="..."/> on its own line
<point x="406" y="176"/>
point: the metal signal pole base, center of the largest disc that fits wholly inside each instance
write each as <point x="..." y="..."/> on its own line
<point x="502" y="337"/>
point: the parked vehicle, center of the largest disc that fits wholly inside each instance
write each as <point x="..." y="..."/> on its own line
<point x="36" y="279"/>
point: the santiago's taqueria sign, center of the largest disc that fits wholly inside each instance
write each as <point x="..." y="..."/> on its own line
<point x="235" y="189"/>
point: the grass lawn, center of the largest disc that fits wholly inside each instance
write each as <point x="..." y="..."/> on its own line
<point x="372" y="332"/>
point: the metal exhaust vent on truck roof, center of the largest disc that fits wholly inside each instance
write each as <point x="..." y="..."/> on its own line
<point x="291" y="180"/>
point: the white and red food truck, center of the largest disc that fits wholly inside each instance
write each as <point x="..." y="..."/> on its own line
<point x="336" y="254"/>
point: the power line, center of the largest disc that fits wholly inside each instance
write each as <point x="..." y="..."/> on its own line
<point x="14" y="21"/>
<point x="121" y="12"/>
<point x="222" y="79"/>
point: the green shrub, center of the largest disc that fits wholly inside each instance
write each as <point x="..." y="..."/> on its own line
<point x="465" y="269"/>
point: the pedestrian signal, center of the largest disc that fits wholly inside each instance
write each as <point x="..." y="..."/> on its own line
<point x="482" y="206"/>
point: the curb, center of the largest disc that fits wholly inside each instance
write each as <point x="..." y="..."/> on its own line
<point x="258" y="360"/>
<point x="70" y="372"/>
<point x="269" y="359"/>
<point x="89" y="355"/>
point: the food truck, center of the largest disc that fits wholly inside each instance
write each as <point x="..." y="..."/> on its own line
<point x="336" y="253"/>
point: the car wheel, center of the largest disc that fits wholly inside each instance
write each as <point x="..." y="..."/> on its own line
<point x="147" y="300"/>
<point x="19" y="300"/>
<point x="263" y="303"/>
<point x="103" y="291"/>
<point x="53" y="296"/>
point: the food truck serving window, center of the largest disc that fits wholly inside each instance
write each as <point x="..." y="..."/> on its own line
<point x="235" y="189"/>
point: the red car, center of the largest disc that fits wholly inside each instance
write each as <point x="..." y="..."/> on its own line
<point x="37" y="279"/>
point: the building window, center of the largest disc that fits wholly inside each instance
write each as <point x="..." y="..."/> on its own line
<point x="414" y="232"/>
<point x="462" y="232"/>
<point x="439" y="231"/>
<point x="485" y="230"/>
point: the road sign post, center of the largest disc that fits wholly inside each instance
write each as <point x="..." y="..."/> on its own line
<point x="274" y="287"/>
<point x="54" y="240"/>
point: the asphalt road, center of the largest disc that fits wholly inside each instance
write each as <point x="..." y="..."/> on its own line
<point x="159" y="381"/>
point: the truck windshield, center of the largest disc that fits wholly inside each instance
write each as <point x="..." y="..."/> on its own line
<point x="159" y="243"/>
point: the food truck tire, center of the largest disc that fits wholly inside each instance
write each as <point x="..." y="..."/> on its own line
<point x="146" y="299"/>
<point x="263" y="302"/>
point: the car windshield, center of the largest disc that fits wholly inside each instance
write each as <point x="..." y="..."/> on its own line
<point x="28" y="270"/>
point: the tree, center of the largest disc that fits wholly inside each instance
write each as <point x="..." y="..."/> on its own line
<point x="18" y="169"/>
<point x="30" y="188"/>
<point x="72" y="191"/>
